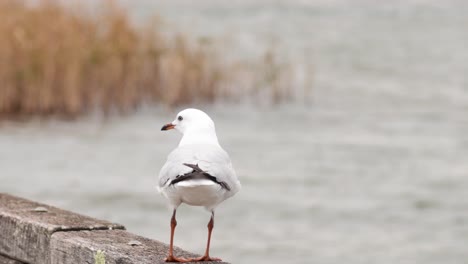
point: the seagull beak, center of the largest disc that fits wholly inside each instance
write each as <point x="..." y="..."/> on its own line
<point x="167" y="127"/>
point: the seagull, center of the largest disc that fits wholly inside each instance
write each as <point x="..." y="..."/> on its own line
<point x="198" y="172"/>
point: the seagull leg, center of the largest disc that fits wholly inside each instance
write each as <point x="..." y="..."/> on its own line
<point x="207" y="257"/>
<point x="171" y="257"/>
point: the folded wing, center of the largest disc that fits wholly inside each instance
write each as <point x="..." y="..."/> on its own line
<point x="211" y="160"/>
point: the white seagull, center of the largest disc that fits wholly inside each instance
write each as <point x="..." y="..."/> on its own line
<point x="198" y="172"/>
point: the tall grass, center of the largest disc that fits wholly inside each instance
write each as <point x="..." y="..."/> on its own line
<point x="62" y="60"/>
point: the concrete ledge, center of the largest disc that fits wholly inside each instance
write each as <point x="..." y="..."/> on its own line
<point x="119" y="247"/>
<point x="7" y="260"/>
<point x="37" y="233"/>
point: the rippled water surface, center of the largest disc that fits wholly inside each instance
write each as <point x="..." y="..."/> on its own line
<point x="374" y="170"/>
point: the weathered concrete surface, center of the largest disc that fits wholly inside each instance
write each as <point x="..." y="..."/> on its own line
<point x="31" y="232"/>
<point x="119" y="246"/>
<point x="26" y="227"/>
<point x="51" y="218"/>
<point x="7" y="260"/>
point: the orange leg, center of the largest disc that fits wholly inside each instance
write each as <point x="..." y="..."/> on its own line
<point x="171" y="257"/>
<point x="207" y="257"/>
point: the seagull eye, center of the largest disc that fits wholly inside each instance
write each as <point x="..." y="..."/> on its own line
<point x="180" y="118"/>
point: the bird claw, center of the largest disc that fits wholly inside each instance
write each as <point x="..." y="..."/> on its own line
<point x="176" y="259"/>
<point x="205" y="258"/>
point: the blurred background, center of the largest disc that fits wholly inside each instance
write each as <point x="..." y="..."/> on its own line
<point x="346" y="121"/>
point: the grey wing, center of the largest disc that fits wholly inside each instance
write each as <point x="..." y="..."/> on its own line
<point x="217" y="163"/>
<point x="173" y="167"/>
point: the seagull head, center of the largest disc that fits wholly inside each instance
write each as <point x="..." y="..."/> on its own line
<point x="191" y="121"/>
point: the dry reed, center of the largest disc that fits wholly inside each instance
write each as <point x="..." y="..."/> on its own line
<point x="57" y="60"/>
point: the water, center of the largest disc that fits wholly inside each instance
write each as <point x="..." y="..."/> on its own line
<point x="374" y="170"/>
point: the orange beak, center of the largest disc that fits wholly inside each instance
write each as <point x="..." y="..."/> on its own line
<point x="167" y="127"/>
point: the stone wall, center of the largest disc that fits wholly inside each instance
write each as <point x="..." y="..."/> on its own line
<point x="31" y="232"/>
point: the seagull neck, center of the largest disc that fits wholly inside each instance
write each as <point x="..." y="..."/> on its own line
<point x="199" y="137"/>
